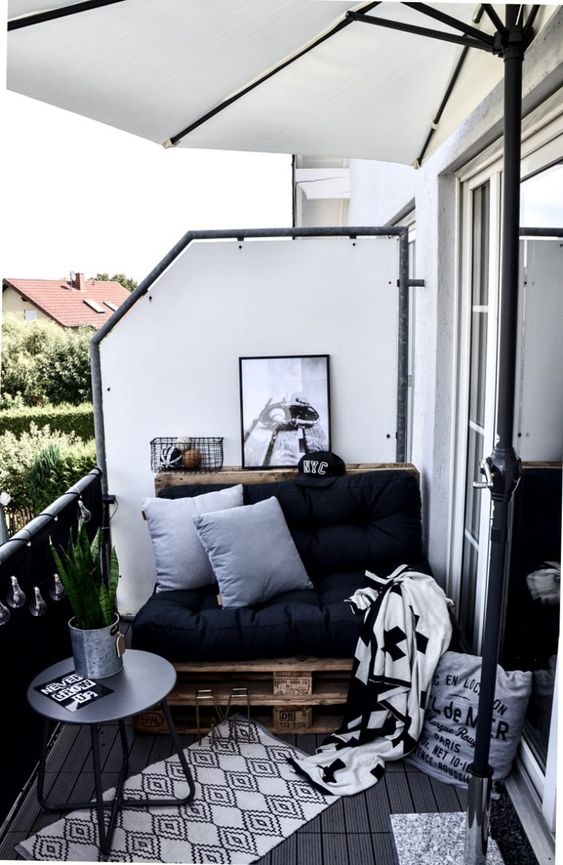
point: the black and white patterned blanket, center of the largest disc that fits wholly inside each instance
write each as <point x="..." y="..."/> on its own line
<point x="406" y="629"/>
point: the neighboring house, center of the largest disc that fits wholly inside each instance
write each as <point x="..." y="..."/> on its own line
<point x="73" y="303"/>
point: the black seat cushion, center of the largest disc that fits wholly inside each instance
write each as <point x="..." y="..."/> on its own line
<point x="368" y="521"/>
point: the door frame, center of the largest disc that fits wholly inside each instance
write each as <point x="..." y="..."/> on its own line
<point x="542" y="146"/>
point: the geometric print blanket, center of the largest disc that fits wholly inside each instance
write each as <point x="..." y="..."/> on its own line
<point x="405" y="631"/>
<point x="247" y="800"/>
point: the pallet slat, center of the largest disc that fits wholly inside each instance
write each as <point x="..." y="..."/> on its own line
<point x="153" y="723"/>
<point x="235" y="475"/>
<point x="301" y="694"/>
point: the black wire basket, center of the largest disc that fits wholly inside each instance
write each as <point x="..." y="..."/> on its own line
<point x="187" y="453"/>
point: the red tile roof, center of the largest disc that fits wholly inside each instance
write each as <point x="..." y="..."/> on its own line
<point x="64" y="303"/>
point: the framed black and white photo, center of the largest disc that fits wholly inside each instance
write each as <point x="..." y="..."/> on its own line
<point x="285" y="409"/>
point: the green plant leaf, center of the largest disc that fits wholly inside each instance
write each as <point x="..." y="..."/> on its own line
<point x="80" y="570"/>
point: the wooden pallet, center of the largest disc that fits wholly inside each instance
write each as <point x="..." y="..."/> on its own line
<point x="286" y="694"/>
<point x="234" y="475"/>
<point x="302" y="694"/>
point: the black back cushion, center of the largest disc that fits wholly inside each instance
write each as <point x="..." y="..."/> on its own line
<point x="370" y="520"/>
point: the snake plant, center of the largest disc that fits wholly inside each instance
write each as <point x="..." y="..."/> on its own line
<point x="90" y="590"/>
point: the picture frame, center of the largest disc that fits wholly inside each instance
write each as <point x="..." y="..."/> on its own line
<point x="284" y="408"/>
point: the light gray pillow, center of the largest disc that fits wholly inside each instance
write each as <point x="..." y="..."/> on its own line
<point x="252" y="553"/>
<point x="181" y="562"/>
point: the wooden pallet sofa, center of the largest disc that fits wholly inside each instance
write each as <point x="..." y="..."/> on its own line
<point x="290" y="656"/>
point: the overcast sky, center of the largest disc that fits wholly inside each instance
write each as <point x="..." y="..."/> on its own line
<point x="79" y="195"/>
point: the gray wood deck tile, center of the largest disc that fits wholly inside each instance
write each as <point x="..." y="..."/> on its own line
<point x="8" y="844"/>
<point x="378" y="808"/>
<point x="307" y="742"/>
<point x="335" y="849"/>
<point x="139" y="754"/>
<point x="285" y="853"/>
<point x="313" y="827"/>
<point x="309" y="849"/>
<point x="356" y="813"/>
<point x="162" y="748"/>
<point x="360" y="849"/>
<point x="446" y="796"/>
<point x="421" y="792"/>
<point x="114" y="754"/>
<point x="83" y="789"/>
<point x="27" y="813"/>
<point x="106" y="738"/>
<point x="400" y="799"/>
<point x="30" y="809"/>
<point x="462" y="796"/>
<point x="45" y="819"/>
<point x="396" y="766"/>
<point x="385" y="850"/>
<point x="71" y="757"/>
<point x="332" y="819"/>
<point x="64" y="742"/>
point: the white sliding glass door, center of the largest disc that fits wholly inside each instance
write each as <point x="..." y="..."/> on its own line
<point x="531" y="614"/>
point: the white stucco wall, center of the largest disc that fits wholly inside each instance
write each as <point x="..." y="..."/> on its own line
<point x="170" y="366"/>
<point x="13" y="303"/>
<point x="381" y="191"/>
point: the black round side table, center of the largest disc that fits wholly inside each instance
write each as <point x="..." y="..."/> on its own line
<point x="146" y="680"/>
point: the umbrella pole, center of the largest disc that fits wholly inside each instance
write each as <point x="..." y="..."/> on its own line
<point x="502" y="469"/>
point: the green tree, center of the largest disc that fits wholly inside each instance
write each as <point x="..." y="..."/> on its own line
<point x="44" y="363"/>
<point x="126" y="281"/>
<point x="65" y="368"/>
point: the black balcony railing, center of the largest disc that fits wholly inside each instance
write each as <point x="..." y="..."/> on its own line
<point x="28" y="643"/>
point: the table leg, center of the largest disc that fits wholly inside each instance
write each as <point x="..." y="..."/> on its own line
<point x="185" y="800"/>
<point x="106" y="833"/>
<point x="99" y="804"/>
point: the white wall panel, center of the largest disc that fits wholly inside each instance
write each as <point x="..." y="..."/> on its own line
<point x="170" y="367"/>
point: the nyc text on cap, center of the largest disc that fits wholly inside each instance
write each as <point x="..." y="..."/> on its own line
<point x="319" y="469"/>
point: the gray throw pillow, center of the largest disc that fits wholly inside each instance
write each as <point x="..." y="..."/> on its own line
<point x="181" y="562"/>
<point x="252" y="553"/>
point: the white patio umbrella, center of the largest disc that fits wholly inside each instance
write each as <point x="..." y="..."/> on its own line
<point x="384" y="81"/>
<point x="288" y="76"/>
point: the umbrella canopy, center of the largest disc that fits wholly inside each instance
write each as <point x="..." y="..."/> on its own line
<point x="284" y="76"/>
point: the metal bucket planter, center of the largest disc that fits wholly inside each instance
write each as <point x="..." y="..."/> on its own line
<point x="97" y="653"/>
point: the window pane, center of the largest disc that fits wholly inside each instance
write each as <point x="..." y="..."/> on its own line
<point x="541" y="199"/>
<point x="467" y="594"/>
<point x="478" y="367"/>
<point x="473" y="496"/>
<point x="480" y="269"/>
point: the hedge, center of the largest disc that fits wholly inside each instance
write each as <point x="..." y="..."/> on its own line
<point x="38" y="466"/>
<point x="60" y="418"/>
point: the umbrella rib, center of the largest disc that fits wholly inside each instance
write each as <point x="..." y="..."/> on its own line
<point x="494" y="17"/>
<point x="448" y="93"/>
<point x="51" y="14"/>
<point x="174" y="139"/>
<point x="466" y="29"/>
<point x="528" y="31"/>
<point x="482" y="44"/>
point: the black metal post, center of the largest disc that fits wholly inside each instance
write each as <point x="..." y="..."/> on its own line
<point x="502" y="469"/>
<point x="403" y="348"/>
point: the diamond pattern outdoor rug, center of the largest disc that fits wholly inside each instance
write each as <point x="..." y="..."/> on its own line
<point x="247" y="800"/>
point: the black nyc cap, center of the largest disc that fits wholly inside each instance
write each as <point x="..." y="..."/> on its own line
<point x="319" y="469"/>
